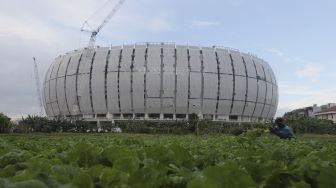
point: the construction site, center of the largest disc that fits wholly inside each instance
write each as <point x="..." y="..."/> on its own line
<point x="158" y="81"/>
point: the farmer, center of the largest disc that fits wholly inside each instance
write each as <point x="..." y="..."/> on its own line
<point x="281" y="129"/>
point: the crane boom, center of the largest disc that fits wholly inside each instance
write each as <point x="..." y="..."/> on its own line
<point x="109" y="16"/>
<point x="94" y="33"/>
<point x="38" y="89"/>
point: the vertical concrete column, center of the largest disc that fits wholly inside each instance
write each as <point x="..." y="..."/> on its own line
<point x="49" y="101"/>
<point x="58" y="106"/>
<point x="175" y="81"/>
<point x="264" y="79"/>
<point x="132" y="85"/>
<point x="105" y="80"/>
<point x="98" y="124"/>
<point x="246" y="90"/>
<point x="90" y="81"/>
<point x="65" y="86"/>
<point x="145" y="84"/>
<point x="79" y="111"/>
<point x="233" y="83"/>
<point x="219" y="79"/>
<point x="120" y="58"/>
<point x="271" y="105"/>
<point x="161" y="82"/>
<point x="189" y="70"/>
<point x="255" y="67"/>
<point x="200" y="115"/>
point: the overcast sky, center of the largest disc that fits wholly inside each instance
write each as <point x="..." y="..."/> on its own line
<point x="296" y="37"/>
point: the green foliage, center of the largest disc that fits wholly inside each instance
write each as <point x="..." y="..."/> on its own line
<point x="84" y="154"/>
<point x="5" y="123"/>
<point x="83" y="180"/>
<point x="11" y="157"/>
<point x="311" y="125"/>
<point x="228" y="175"/>
<point x="252" y="159"/>
<point x="193" y="126"/>
<point x="28" y="184"/>
<point x="45" y="125"/>
<point x="4" y="119"/>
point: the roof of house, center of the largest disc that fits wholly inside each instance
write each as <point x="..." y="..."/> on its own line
<point x="332" y="109"/>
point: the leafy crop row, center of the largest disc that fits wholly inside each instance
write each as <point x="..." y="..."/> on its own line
<point x="110" y="160"/>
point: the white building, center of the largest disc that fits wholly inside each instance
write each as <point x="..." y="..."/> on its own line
<point x="327" y="113"/>
<point x="160" y="81"/>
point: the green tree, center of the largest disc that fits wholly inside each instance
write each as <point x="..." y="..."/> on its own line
<point x="4" y="123"/>
<point x="193" y="122"/>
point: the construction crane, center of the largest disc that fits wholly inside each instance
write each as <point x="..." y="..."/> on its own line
<point x="38" y="89"/>
<point x="95" y="32"/>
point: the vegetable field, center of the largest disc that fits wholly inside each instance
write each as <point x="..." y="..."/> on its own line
<point x="124" y="160"/>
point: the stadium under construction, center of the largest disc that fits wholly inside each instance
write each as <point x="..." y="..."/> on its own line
<point x="160" y="81"/>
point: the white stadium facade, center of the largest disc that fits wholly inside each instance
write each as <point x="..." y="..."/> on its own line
<point x="160" y="81"/>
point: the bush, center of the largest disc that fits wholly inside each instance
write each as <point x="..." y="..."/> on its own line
<point x="310" y="125"/>
<point x="193" y="126"/>
<point x="187" y="127"/>
<point x="5" y="123"/>
<point x="45" y="125"/>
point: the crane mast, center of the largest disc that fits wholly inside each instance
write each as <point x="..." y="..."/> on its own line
<point x="94" y="33"/>
<point x="38" y="89"/>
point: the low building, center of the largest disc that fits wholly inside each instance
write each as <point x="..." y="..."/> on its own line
<point x="326" y="106"/>
<point x="306" y="112"/>
<point x="327" y="113"/>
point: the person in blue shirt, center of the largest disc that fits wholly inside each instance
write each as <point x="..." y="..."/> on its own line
<point x="281" y="129"/>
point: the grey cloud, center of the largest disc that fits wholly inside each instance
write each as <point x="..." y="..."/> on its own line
<point x="46" y="29"/>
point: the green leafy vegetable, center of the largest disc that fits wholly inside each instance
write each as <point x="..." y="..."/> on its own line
<point x="252" y="159"/>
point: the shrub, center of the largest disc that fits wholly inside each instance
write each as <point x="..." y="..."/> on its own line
<point x="311" y="125"/>
<point x="5" y="123"/>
